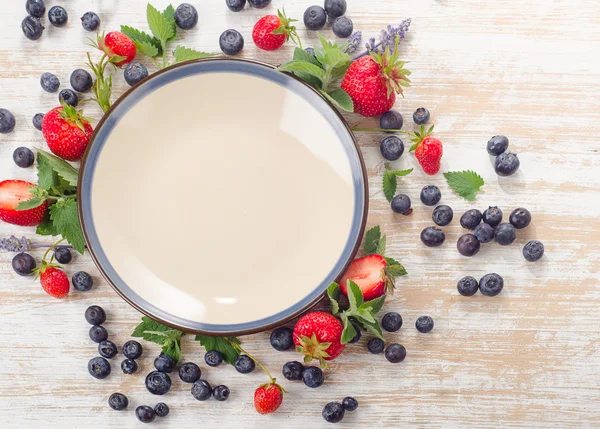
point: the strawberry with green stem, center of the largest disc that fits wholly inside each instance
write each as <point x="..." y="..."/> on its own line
<point x="53" y="280"/>
<point x="428" y="150"/>
<point x="272" y="31"/>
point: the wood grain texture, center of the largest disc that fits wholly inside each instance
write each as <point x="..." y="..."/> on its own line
<point x="528" y="358"/>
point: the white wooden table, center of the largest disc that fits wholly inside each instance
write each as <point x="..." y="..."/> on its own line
<point x="528" y="358"/>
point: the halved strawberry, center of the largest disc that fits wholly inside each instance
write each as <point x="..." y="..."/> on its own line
<point x="12" y="192"/>
<point x="369" y="274"/>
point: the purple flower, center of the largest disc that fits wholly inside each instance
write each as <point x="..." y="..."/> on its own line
<point x="353" y="42"/>
<point x="387" y="38"/>
<point x="14" y="244"/>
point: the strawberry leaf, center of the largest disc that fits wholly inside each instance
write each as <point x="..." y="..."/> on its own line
<point x="168" y="338"/>
<point x="304" y="67"/>
<point x="413" y="147"/>
<point x="333" y="292"/>
<point x="182" y="54"/>
<point x="169" y="15"/>
<point x="46" y="227"/>
<point x="372" y="238"/>
<point x="390" y="182"/>
<point x="339" y="98"/>
<point x="144" y="43"/>
<point x="381" y="246"/>
<point x="349" y="332"/>
<point x="161" y="26"/>
<point x="31" y="203"/>
<point x="395" y="270"/>
<point x="65" y="217"/>
<point x="465" y="183"/>
<point x="301" y="55"/>
<point x="222" y="345"/>
<point x="61" y="167"/>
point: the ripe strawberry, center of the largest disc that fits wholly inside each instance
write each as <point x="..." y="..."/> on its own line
<point x="271" y="32"/>
<point x="116" y="43"/>
<point x="12" y="192"/>
<point x="54" y="281"/>
<point x="369" y="273"/>
<point x="67" y="132"/>
<point x="268" y="397"/>
<point x="428" y="150"/>
<point x="373" y="81"/>
<point x="317" y="335"/>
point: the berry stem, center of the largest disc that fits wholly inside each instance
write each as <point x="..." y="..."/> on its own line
<point x="52" y="247"/>
<point x="241" y="350"/>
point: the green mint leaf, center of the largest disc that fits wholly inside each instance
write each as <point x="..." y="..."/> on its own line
<point x="395" y="270"/>
<point x="304" y="67"/>
<point x="465" y="183"/>
<point x="381" y="246"/>
<point x="182" y="54"/>
<point x="46" y="227"/>
<point x="168" y="338"/>
<point x="169" y="14"/>
<point x="336" y="62"/>
<point x="371" y="241"/>
<point x="160" y="25"/>
<point x="333" y="292"/>
<point x="172" y="348"/>
<point x="374" y="328"/>
<point x="374" y="306"/>
<point x="366" y="315"/>
<point x="222" y="345"/>
<point x="143" y="41"/>
<point x="61" y="167"/>
<point x="389" y="185"/>
<point x="31" y="203"/>
<point x="47" y="177"/>
<point x="301" y="55"/>
<point x="401" y="173"/>
<point x="64" y="216"/>
<point x="349" y="332"/>
<point x="355" y="296"/>
<point x="339" y="98"/>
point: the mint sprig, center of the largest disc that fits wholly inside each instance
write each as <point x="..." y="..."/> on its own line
<point x="168" y="338"/>
<point x="329" y="64"/>
<point x="465" y="183"/>
<point x="390" y="181"/>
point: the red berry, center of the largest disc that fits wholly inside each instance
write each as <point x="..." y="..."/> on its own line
<point x="267" y="398"/>
<point x="429" y="151"/>
<point x="263" y="35"/>
<point x="318" y="335"/>
<point x="67" y="132"/>
<point x="116" y="43"/>
<point x="55" y="282"/>
<point x="13" y="192"/>
<point x="368" y="273"/>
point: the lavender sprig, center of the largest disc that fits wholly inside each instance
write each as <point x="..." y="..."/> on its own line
<point x="14" y="244"/>
<point x="353" y="42"/>
<point x="387" y="39"/>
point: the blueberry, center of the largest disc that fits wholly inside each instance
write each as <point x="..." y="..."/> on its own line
<point x="32" y="28"/>
<point x="357" y="335"/>
<point x="95" y="315"/>
<point x="491" y="284"/>
<point x="391" y="148"/>
<point x="82" y="281"/>
<point x="161" y="409"/>
<point x="342" y="27"/>
<point x="189" y="372"/>
<point x="134" y="73"/>
<point x="37" y="121"/>
<point x="442" y="215"/>
<point x="107" y="349"/>
<point x="401" y="204"/>
<point x="391" y="120"/>
<point x="118" y="401"/>
<point x="310" y="50"/>
<point x="201" y="390"/>
<point x="98" y="334"/>
<point x="186" y="16"/>
<point x="7" y="121"/>
<point x="129" y="366"/>
<point x="333" y="412"/>
<point x="90" y="21"/>
<point x="470" y="219"/>
<point x="315" y="18"/>
<point x="506" y="164"/>
<point x="231" y="42"/>
<point x="235" y="5"/>
<point x="424" y="324"/>
<point x="62" y="255"/>
<point x="281" y="339"/>
<point x="145" y="414"/>
<point x="520" y="218"/>
<point x="313" y="376"/>
<point x="492" y="216"/>
<point x="335" y="8"/>
<point x="484" y="233"/>
<point x="259" y="4"/>
<point x="213" y="358"/>
<point x="221" y="393"/>
<point x="23" y="264"/>
<point x="533" y="251"/>
<point x="391" y="321"/>
<point x="35" y="8"/>
<point x="99" y="368"/>
<point x="49" y="82"/>
<point x="430" y="195"/>
<point x="244" y="365"/>
<point x="164" y="363"/>
<point x="433" y="236"/>
<point x="81" y="80"/>
<point x="505" y="234"/>
<point x="468" y="245"/>
<point x="395" y="353"/>
<point x="23" y="157"/>
<point x="57" y="15"/>
<point x="349" y="403"/>
<point x="293" y="370"/>
<point x="158" y="383"/>
<point x="467" y="286"/>
<point x="69" y="97"/>
<point x="132" y="349"/>
<point x="497" y="145"/>
<point x="421" y="116"/>
<point x="375" y="346"/>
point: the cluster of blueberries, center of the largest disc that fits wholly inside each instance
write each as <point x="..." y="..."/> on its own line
<point x="392" y="147"/>
<point x="57" y="16"/>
